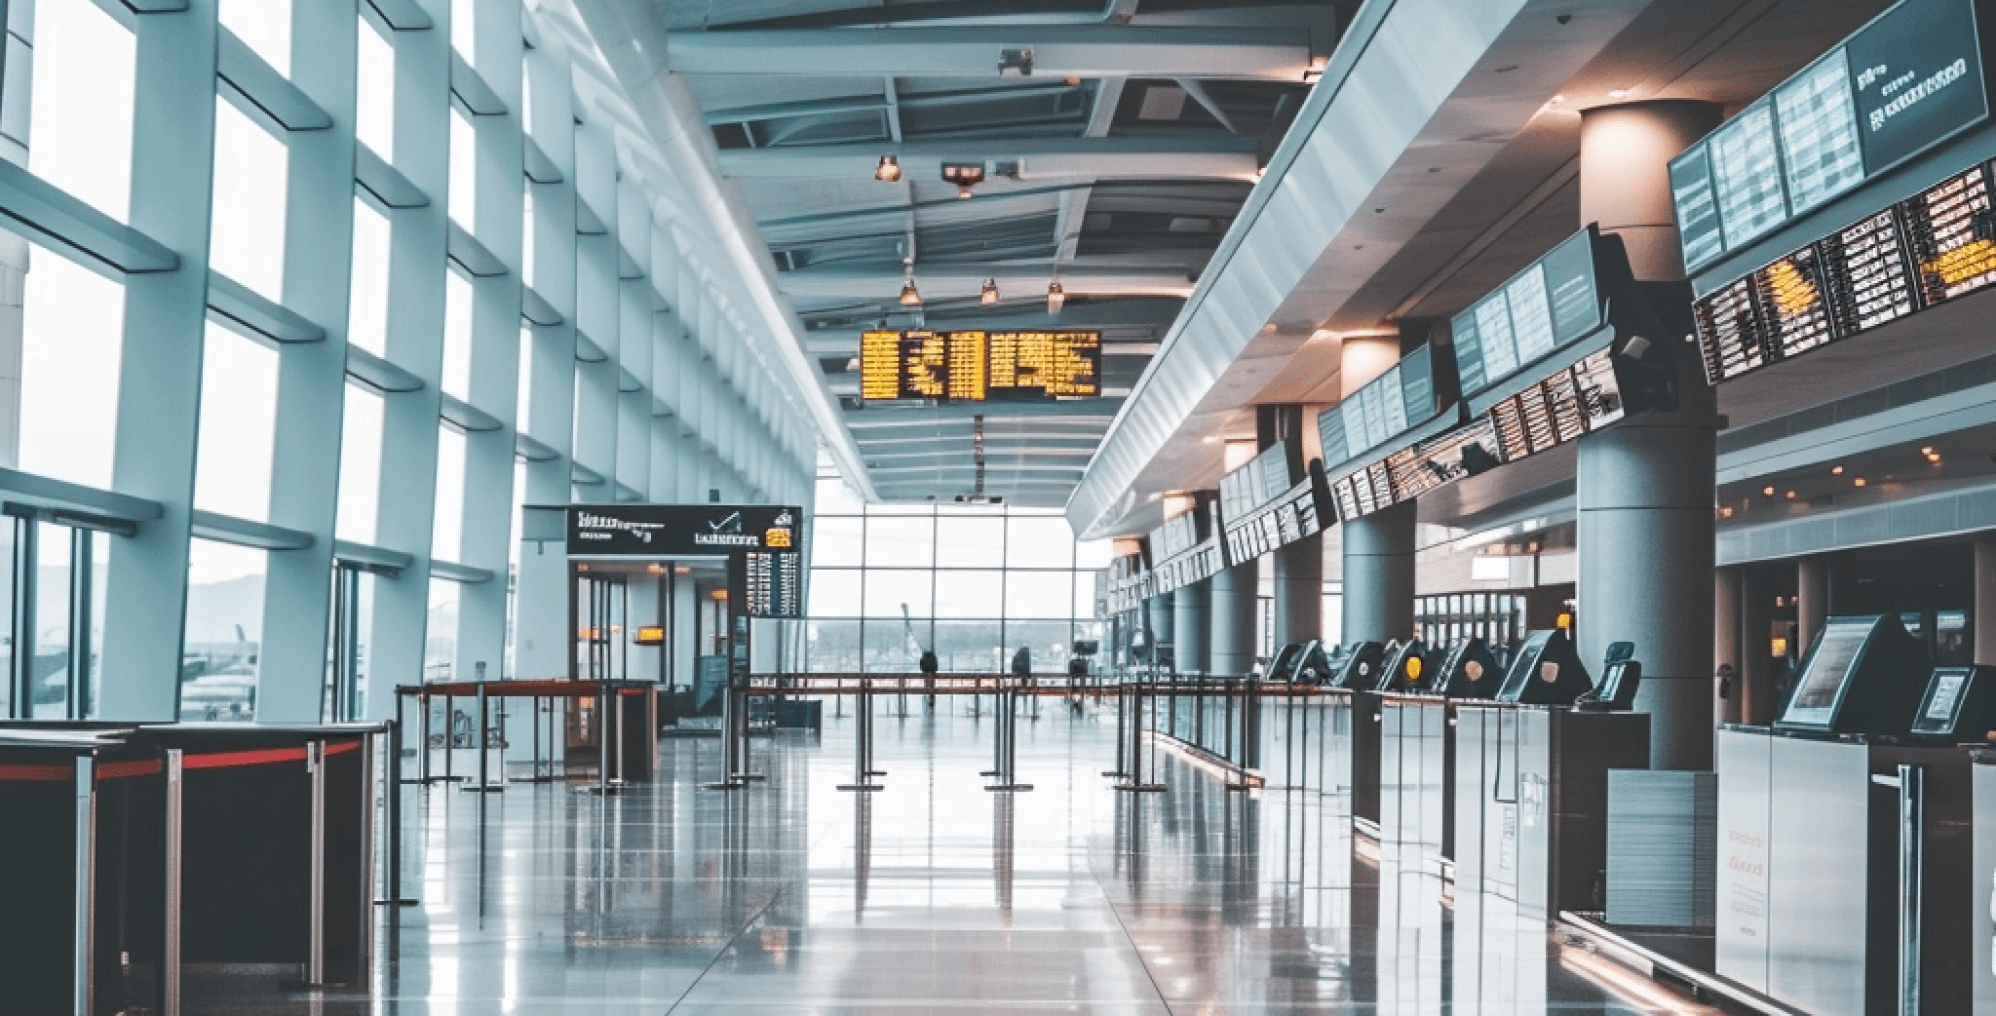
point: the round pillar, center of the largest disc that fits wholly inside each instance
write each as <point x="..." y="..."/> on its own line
<point x="1231" y="650"/>
<point x="1985" y="602"/>
<point x="1159" y="614"/>
<point x="1625" y="154"/>
<point x="1379" y="575"/>
<point x="1299" y="591"/>
<point x="1726" y="645"/>
<point x="1812" y="600"/>
<point x="1378" y="550"/>
<point x="1193" y="607"/>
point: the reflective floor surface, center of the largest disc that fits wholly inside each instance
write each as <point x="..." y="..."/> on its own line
<point x="932" y="896"/>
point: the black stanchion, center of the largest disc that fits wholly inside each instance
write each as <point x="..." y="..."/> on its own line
<point x="862" y="746"/>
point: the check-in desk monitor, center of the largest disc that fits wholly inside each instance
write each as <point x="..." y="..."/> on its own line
<point x="1404" y="664"/>
<point x="1312" y="666"/>
<point x="1360" y="667"/>
<point x="1959" y="704"/>
<point x="1863" y="675"/>
<point x="1547" y="671"/>
<point x="1469" y="671"/>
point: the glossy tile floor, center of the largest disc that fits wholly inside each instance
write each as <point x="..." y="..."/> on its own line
<point x="931" y="896"/>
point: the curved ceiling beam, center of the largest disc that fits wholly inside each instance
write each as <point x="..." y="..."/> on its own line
<point x="1081" y="51"/>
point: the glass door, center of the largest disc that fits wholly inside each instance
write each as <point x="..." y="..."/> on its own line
<point x="344" y="699"/>
<point x="601" y="606"/>
<point x="55" y="605"/>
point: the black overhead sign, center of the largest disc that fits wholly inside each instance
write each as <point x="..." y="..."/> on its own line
<point x="767" y="539"/>
<point x="1935" y="246"/>
<point x="1903" y="83"/>
<point x="1553" y="303"/>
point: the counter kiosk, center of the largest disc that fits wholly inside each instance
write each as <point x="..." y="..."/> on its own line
<point x="1531" y="777"/>
<point x="1416" y="759"/>
<point x="1359" y="666"/>
<point x="1959" y="705"/>
<point x="1468" y="671"/>
<point x="1844" y="845"/>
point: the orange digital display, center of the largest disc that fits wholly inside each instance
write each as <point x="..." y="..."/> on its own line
<point x="650" y="635"/>
<point x="979" y="366"/>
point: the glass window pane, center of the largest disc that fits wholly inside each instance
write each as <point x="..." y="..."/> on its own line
<point x="463" y="172"/>
<point x="889" y="649"/>
<point x="971" y="647"/>
<point x="834" y="497"/>
<point x="833" y="646"/>
<point x="464" y="29"/>
<point x="900" y="541"/>
<point x="835" y="541"/>
<point x="1084" y="594"/>
<point x="238" y="425"/>
<point x="367" y="300"/>
<point x="970" y="541"/>
<point x="527" y="237"/>
<point x="457" y="334"/>
<point x="970" y="593"/>
<point x="1038" y="542"/>
<point x="1094" y="554"/>
<point x="446" y="540"/>
<point x="264" y="26"/>
<point x="374" y="121"/>
<point x="888" y="590"/>
<point x="440" y="648"/>
<point x="81" y="110"/>
<point x="524" y="399"/>
<point x="73" y="325"/>
<point x="224" y="626"/>
<point x="246" y="242"/>
<point x="50" y="664"/>
<point x="1048" y="640"/>
<point x="9" y="541"/>
<point x="360" y="465"/>
<point x="834" y="592"/>
<point x="1039" y="594"/>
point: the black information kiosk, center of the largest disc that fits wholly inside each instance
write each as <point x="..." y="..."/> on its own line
<point x="1469" y="671"/>
<point x="1547" y="671"/>
<point x="1959" y="705"/>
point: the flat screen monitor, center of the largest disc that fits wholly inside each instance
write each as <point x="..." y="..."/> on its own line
<point x="1546" y="671"/>
<point x="1958" y="704"/>
<point x="1360" y="667"/>
<point x="1864" y="674"/>
<point x="1469" y="671"/>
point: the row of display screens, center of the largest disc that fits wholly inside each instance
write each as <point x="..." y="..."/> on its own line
<point x="1289" y="520"/>
<point x="1385" y="408"/>
<point x="775" y="584"/>
<point x="1197" y="566"/>
<point x="1899" y="85"/>
<point x="1553" y="303"/>
<point x="1573" y="400"/>
<point x="976" y="366"/>
<point x="1264" y="478"/>
<point x="1178" y="535"/>
<point x="1928" y="249"/>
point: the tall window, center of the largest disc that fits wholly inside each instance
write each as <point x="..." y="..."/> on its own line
<point x="975" y="583"/>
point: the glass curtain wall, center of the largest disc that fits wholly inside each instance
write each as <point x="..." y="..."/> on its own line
<point x="975" y="583"/>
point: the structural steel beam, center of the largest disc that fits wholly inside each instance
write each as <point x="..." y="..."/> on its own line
<point x="1204" y="158"/>
<point x="1086" y="51"/>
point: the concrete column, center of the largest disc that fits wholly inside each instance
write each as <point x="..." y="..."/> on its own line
<point x="1984" y="604"/>
<point x="1756" y="624"/>
<point x="1379" y="548"/>
<point x="1379" y="575"/>
<point x="1727" y="643"/>
<point x="1193" y="609"/>
<point x="1812" y="600"/>
<point x="682" y="628"/>
<point x="1163" y="620"/>
<point x="1625" y="154"/>
<point x="1299" y="591"/>
<point x="1231" y="650"/>
<point x="1644" y="487"/>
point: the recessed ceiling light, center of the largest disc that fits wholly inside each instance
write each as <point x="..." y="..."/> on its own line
<point x="1836" y="470"/>
<point x="1618" y="93"/>
<point x="1859" y="482"/>
<point x="1767" y="491"/>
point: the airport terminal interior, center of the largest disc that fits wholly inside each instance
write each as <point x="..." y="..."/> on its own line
<point x="998" y="506"/>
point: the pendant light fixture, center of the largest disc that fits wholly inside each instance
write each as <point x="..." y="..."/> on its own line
<point x="889" y="170"/>
<point x="989" y="295"/>
<point x="910" y="296"/>
<point x="1056" y="297"/>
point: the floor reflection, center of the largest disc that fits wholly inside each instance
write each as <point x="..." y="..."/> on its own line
<point x="934" y="894"/>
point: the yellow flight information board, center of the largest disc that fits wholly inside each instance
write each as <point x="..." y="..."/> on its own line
<point x="979" y="366"/>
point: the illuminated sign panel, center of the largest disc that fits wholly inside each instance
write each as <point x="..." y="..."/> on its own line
<point x="979" y="366"/>
<point x="1936" y="246"/>
<point x="1900" y="85"/>
<point x="1551" y="304"/>
<point x="1388" y="405"/>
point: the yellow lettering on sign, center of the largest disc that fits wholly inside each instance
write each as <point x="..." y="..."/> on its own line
<point x="777" y="539"/>
<point x="1963" y="263"/>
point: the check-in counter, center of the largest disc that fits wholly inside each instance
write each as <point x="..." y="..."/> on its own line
<point x="140" y="852"/>
<point x="1531" y="801"/>
<point x="1982" y="886"/>
<point x="1416" y="776"/>
<point x="1810" y="900"/>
